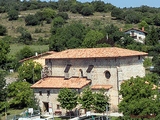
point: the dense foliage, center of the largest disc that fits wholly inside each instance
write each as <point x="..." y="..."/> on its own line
<point x="4" y="50"/>
<point x="20" y="95"/>
<point x="140" y="98"/>
<point x="67" y="98"/>
<point x="30" y="71"/>
<point x="3" y="91"/>
<point x="86" y="99"/>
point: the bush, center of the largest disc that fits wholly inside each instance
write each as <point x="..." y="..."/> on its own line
<point x="13" y="15"/>
<point x="63" y="15"/>
<point x="3" y="30"/>
<point x="86" y="11"/>
<point x="31" y="20"/>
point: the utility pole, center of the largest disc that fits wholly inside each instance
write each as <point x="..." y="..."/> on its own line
<point x="107" y="111"/>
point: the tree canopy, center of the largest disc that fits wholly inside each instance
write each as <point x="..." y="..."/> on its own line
<point x="30" y="71"/>
<point x="20" y="95"/>
<point x="3" y="91"/>
<point x="139" y="98"/>
<point x="67" y="98"/>
<point x="86" y="99"/>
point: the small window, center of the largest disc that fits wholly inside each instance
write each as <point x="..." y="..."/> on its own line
<point x="40" y="93"/>
<point x="81" y="72"/>
<point x="107" y="74"/>
<point x="89" y="69"/>
<point x="139" y="57"/>
<point x="67" y="68"/>
<point x="48" y="92"/>
<point x="58" y="107"/>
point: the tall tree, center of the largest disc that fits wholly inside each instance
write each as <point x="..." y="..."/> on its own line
<point x="3" y="91"/>
<point x="25" y="52"/>
<point x="152" y="37"/>
<point x="30" y="71"/>
<point x="67" y="98"/>
<point x="20" y="95"/>
<point x="91" y="39"/>
<point x="4" y="50"/>
<point x="100" y="101"/>
<point x="140" y="98"/>
<point x="86" y="99"/>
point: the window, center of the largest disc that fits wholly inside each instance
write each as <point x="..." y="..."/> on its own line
<point x="67" y="68"/>
<point x="40" y="93"/>
<point x="90" y="67"/>
<point x="48" y="92"/>
<point x="58" y="107"/>
<point x="107" y="74"/>
<point x="81" y="72"/>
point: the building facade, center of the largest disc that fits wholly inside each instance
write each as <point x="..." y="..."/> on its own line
<point x="98" y="68"/>
<point x="137" y="34"/>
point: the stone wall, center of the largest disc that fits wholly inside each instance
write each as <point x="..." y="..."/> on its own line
<point x="120" y="69"/>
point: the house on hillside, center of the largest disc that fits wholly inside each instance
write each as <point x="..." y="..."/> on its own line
<point x="137" y="34"/>
<point x="38" y="57"/>
<point x="98" y="68"/>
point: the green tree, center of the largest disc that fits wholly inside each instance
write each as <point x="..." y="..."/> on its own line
<point x="140" y="98"/>
<point x="87" y="10"/>
<point x="99" y="6"/>
<point x="13" y="14"/>
<point x="91" y="39"/>
<point x="4" y="50"/>
<point x="67" y="98"/>
<point x="20" y="95"/>
<point x="30" y="71"/>
<point x="31" y="20"/>
<point x="48" y="13"/>
<point x="70" y="36"/>
<point x="86" y="99"/>
<point x="152" y="36"/>
<point x="57" y="22"/>
<point x="113" y="34"/>
<point x="3" y="91"/>
<point x="118" y="13"/>
<point x="25" y="38"/>
<point x="132" y="17"/>
<point x="125" y="41"/>
<point x="25" y="52"/>
<point x="143" y="24"/>
<point x="156" y="64"/>
<point x="100" y="101"/>
<point x="3" y="30"/>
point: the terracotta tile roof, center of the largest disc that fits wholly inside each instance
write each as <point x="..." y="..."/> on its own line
<point x="60" y="82"/>
<point x="107" y="52"/>
<point x="97" y="87"/>
<point x="37" y="56"/>
<point x="136" y="30"/>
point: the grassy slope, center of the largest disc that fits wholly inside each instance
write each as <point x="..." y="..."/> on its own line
<point x="16" y="47"/>
<point x="104" y="18"/>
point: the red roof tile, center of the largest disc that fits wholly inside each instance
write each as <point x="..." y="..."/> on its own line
<point x="97" y="87"/>
<point x="37" y="56"/>
<point x="60" y="82"/>
<point x="107" y="52"/>
<point x="136" y="30"/>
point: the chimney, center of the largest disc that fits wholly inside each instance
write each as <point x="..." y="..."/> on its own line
<point x="36" y="54"/>
<point x="142" y="28"/>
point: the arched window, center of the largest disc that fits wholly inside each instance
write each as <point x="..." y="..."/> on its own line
<point x="81" y="72"/>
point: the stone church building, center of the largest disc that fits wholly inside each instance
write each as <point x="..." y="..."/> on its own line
<point x="98" y="68"/>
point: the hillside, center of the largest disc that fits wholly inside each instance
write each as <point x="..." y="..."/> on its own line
<point x="104" y="18"/>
